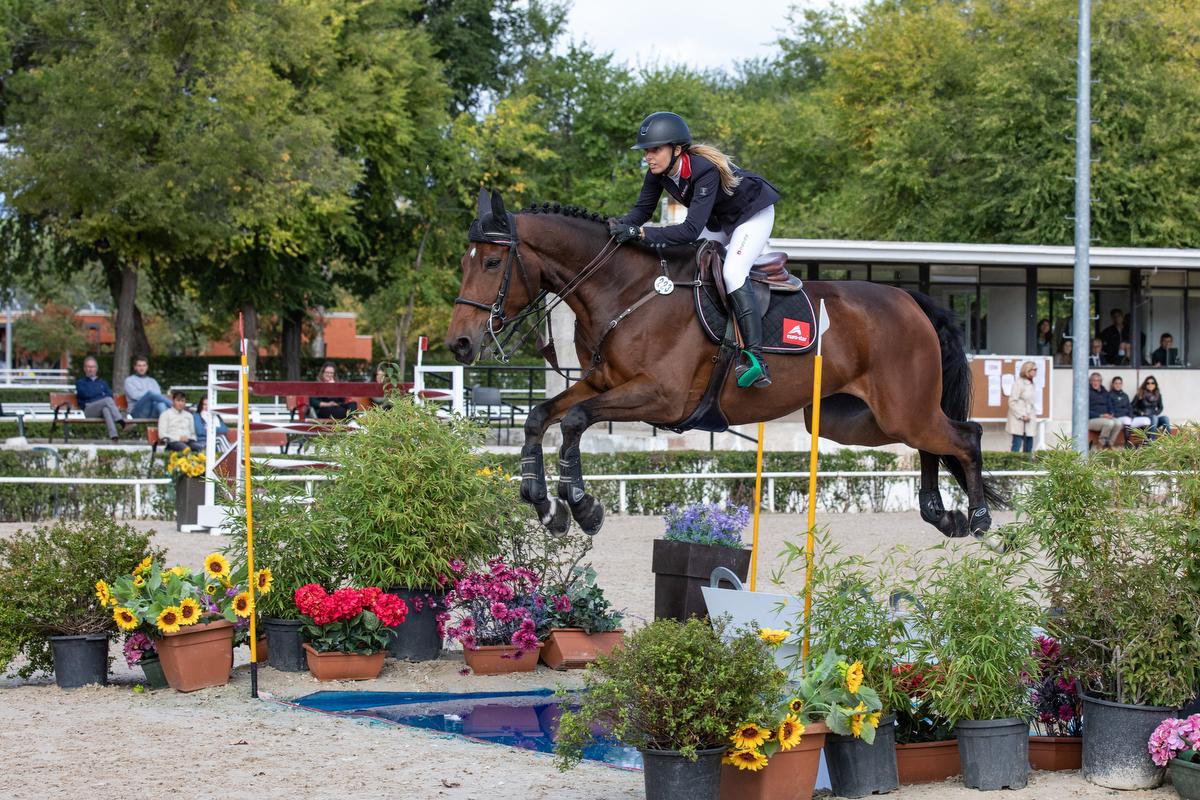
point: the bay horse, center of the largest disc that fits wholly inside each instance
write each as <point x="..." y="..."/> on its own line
<point x="894" y="365"/>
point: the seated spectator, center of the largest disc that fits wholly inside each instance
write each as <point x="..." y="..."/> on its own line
<point x="1100" y="416"/>
<point x="1097" y="358"/>
<point x="1065" y="353"/>
<point x="331" y="407"/>
<point x="1167" y="355"/>
<point x="1044" y="341"/>
<point x="1122" y="409"/>
<point x="143" y="394"/>
<point x="95" y="397"/>
<point x="203" y="420"/>
<point x="1148" y="402"/>
<point x="381" y="377"/>
<point x="175" y="427"/>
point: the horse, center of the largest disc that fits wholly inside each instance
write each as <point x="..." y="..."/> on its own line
<point x="894" y="366"/>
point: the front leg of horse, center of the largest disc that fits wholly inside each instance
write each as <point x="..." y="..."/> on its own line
<point x="553" y="514"/>
<point x="586" y="509"/>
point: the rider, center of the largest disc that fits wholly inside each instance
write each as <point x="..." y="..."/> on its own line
<point x="725" y="203"/>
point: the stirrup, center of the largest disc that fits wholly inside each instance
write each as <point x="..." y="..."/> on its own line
<point x="753" y="375"/>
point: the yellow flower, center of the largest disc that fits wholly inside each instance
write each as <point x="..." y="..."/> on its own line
<point x="126" y="620"/>
<point x="746" y="759"/>
<point x="749" y="736"/>
<point x="139" y="581"/>
<point x="796" y="705"/>
<point x="178" y="571"/>
<point x="856" y="718"/>
<point x="210" y="589"/>
<point x="264" y="579"/>
<point x="242" y="604"/>
<point x="189" y="611"/>
<point x="170" y="619"/>
<point x="772" y="637"/>
<point x="854" y="677"/>
<point x="873" y="719"/>
<point x="145" y="565"/>
<point x="789" y="733"/>
<point x="216" y="565"/>
<point x="102" y="593"/>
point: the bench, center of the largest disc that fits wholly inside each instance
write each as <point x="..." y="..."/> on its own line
<point x="66" y="402"/>
<point x="19" y="416"/>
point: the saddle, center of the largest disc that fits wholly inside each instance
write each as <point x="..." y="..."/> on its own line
<point x="769" y="270"/>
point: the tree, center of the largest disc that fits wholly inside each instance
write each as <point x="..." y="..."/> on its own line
<point x="53" y="331"/>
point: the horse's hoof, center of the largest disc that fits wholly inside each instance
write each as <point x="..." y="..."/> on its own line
<point x="589" y="513"/>
<point x="997" y="544"/>
<point x="557" y="518"/>
<point x="955" y="525"/>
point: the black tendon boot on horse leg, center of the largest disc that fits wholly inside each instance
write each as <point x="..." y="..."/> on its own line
<point x="749" y="322"/>
<point x="952" y="523"/>
<point x="553" y="514"/>
<point x="586" y="510"/>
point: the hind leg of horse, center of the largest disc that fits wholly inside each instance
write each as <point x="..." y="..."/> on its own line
<point x="950" y="523"/>
<point x="554" y="515"/>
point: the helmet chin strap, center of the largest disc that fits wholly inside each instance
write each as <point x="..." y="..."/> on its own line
<point x="674" y="158"/>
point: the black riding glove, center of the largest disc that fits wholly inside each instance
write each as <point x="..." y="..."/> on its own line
<point x="622" y="232"/>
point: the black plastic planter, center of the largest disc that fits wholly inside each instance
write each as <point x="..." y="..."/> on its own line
<point x="994" y="753"/>
<point x="417" y="638"/>
<point x="858" y="769"/>
<point x="1114" y="744"/>
<point x="682" y="568"/>
<point x="189" y="496"/>
<point x="285" y="648"/>
<point x="670" y="776"/>
<point x="80" y="660"/>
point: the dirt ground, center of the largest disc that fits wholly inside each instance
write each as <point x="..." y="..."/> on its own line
<point x="219" y="743"/>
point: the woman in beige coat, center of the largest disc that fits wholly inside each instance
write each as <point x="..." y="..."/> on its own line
<point x="1021" y="411"/>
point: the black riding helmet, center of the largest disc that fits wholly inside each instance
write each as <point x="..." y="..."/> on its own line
<point x="662" y="127"/>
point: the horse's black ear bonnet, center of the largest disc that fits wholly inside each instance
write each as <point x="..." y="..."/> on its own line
<point x="492" y="224"/>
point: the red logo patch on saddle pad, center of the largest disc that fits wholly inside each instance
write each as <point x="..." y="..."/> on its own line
<point x="796" y="332"/>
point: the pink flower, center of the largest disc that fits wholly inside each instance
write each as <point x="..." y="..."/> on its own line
<point x="499" y="611"/>
<point x="468" y="625"/>
<point x="456" y="565"/>
<point x="562" y="604"/>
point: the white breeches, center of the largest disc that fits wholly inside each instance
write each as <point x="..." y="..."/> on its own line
<point x="745" y="244"/>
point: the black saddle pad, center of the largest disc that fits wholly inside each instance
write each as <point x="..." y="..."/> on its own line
<point x="789" y="326"/>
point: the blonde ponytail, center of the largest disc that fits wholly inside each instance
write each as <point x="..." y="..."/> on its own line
<point x="729" y="181"/>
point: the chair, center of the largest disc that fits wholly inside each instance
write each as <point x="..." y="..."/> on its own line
<point x="489" y="400"/>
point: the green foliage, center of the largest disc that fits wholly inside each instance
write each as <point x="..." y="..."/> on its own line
<point x="23" y="502"/>
<point x="672" y="686"/>
<point x="411" y="495"/>
<point x="590" y="609"/>
<point x="48" y="583"/>
<point x="974" y="618"/>
<point x="1122" y="568"/>
<point x="364" y="634"/>
<point x="556" y="561"/>
<point x="54" y="331"/>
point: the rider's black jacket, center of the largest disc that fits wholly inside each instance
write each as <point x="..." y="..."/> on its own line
<point x="699" y="190"/>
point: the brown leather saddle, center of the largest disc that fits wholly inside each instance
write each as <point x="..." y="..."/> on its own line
<point x="769" y="271"/>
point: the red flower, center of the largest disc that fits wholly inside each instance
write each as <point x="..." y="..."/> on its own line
<point x="308" y="599"/>
<point x="369" y="595"/>
<point x="390" y="609"/>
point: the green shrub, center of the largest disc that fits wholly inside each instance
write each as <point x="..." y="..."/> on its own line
<point x="48" y="583"/>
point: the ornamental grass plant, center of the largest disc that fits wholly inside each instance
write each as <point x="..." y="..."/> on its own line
<point x="673" y="686"/>
<point x="48" y="584"/>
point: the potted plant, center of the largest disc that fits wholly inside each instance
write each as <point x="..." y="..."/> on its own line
<point x="494" y="614"/>
<point x="347" y="631"/>
<point x="580" y="624"/>
<point x="675" y="690"/>
<point x="776" y="756"/>
<point x="52" y="610"/>
<point x="411" y="497"/>
<point x="140" y="652"/>
<point x="186" y="468"/>
<point x="926" y="747"/>
<point x="1175" y="744"/>
<point x="1124" y="579"/>
<point x="699" y="538"/>
<point x="191" y="614"/>
<point x="976" y="615"/>
<point x="1058" y="710"/>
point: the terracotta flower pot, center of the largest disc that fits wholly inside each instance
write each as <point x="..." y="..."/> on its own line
<point x="262" y="649"/>
<point x="337" y="666"/>
<point x="572" y="648"/>
<point x="498" y="659"/>
<point x="197" y="656"/>
<point x="788" y="775"/>
<point x="1055" y="753"/>
<point x="926" y="762"/>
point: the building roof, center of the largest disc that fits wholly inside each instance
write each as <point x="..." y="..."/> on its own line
<point x="1022" y="255"/>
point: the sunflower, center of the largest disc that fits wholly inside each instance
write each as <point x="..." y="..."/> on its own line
<point x="854" y="677"/>
<point x="873" y="719"/>
<point x="746" y="759"/>
<point x="139" y="581"/>
<point x="772" y="637"/>
<point x="102" y="593"/>
<point x="144" y="565"/>
<point x="126" y="620"/>
<point x="789" y="733"/>
<point x="796" y="705"/>
<point x="242" y="604"/>
<point x="216" y="566"/>
<point x="210" y="589"/>
<point x="178" y="571"/>
<point x="189" y="611"/>
<point x="749" y="735"/>
<point x="264" y="580"/>
<point x="169" y="619"/>
<point x="856" y="718"/>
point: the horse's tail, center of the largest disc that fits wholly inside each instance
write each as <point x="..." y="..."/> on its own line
<point x="956" y="382"/>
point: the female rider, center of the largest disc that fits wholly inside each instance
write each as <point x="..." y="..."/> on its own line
<point x="725" y="203"/>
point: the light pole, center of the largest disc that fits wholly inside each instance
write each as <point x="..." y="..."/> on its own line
<point x="1081" y="322"/>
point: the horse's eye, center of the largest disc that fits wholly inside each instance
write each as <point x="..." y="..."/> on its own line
<point x="491" y="263"/>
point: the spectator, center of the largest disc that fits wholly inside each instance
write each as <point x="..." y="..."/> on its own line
<point x="331" y="407"/>
<point x="1123" y="410"/>
<point x="1065" y="353"/>
<point x="1148" y="402"/>
<point x="381" y="377"/>
<point x="143" y="394"/>
<point x="1021" y="412"/>
<point x="175" y="426"/>
<point x="1166" y="355"/>
<point x="95" y="397"/>
<point x="1097" y="357"/>
<point x="204" y="419"/>
<point x="1114" y="335"/>
<point x="1044" y="339"/>
<point x="1100" y="416"/>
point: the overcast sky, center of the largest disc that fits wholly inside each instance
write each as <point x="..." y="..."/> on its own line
<point x="698" y="33"/>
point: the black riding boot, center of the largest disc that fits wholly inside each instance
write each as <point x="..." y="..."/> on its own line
<point x="749" y="322"/>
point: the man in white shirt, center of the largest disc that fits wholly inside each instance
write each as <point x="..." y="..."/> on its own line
<point x="176" y="429"/>
<point x="142" y="393"/>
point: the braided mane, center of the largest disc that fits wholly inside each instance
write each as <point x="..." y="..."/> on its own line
<point x="564" y="211"/>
